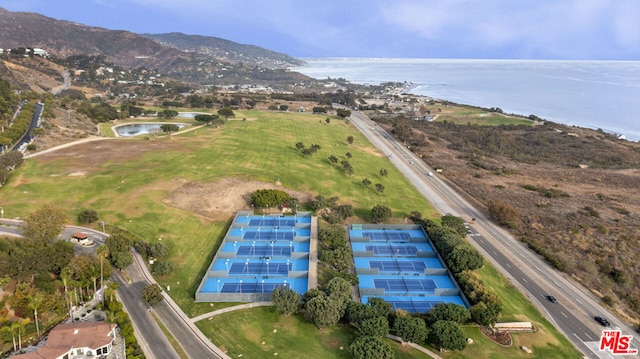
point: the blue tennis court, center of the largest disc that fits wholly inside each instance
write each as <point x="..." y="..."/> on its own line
<point x="234" y="285"/>
<point x="392" y="250"/>
<point x="262" y="250"/>
<point x="272" y="222"/>
<point x="249" y="287"/>
<point x="264" y="267"/>
<point x="268" y="235"/>
<point x="414" y="306"/>
<point x="405" y="285"/>
<point x="417" y="304"/>
<point x="387" y="236"/>
<point x="398" y="266"/>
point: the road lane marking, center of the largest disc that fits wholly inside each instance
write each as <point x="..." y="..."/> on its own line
<point x="508" y="265"/>
<point x="561" y="312"/>
<point x="526" y="281"/>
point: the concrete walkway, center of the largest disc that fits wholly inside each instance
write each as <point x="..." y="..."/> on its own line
<point x="313" y="254"/>
<point x="231" y="309"/>
<point x="416" y="346"/>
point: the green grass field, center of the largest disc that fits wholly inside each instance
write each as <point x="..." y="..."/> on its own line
<point x="261" y="332"/>
<point x="132" y="194"/>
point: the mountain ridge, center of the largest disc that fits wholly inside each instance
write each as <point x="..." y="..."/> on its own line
<point x="175" y="54"/>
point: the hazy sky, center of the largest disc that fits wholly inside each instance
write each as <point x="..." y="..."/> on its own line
<point x="501" y="29"/>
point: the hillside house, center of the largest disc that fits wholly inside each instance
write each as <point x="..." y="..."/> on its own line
<point x="76" y="340"/>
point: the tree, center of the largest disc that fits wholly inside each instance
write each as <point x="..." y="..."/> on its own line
<point x="323" y="311"/>
<point x="449" y="311"/>
<point x="348" y="155"/>
<point x="167" y="114"/>
<point x="347" y="167"/>
<point x="463" y="257"/>
<point x="366" y="182"/>
<point x="379" y="187"/>
<point x="103" y="253"/>
<point x="448" y="335"/>
<point x="299" y="145"/>
<point x="286" y="301"/>
<point x="410" y="329"/>
<point x="454" y="222"/>
<point x="44" y="225"/>
<point x="343" y="113"/>
<point x="380" y="213"/>
<point x="119" y="248"/>
<point x="35" y="302"/>
<point x="152" y="294"/>
<point x="207" y="119"/>
<point x="11" y="160"/>
<point x="161" y="268"/>
<point x="339" y="290"/>
<point x="21" y="325"/>
<point x="169" y="127"/>
<point x="381" y="306"/>
<point x="356" y="312"/>
<point x="366" y="347"/>
<point x="87" y="216"/>
<point x="376" y="326"/>
<point x="226" y="112"/>
<point x="11" y="328"/>
<point x="384" y="172"/>
<point x="158" y="250"/>
<point x="318" y="109"/>
<point x="333" y="159"/>
<point x="350" y="139"/>
<point x="484" y="314"/>
<point x="284" y="108"/>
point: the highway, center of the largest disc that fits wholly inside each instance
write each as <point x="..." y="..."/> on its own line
<point x="574" y="312"/>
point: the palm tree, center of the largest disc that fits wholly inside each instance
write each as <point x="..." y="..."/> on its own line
<point x="103" y="253"/>
<point x="11" y="328"/>
<point x="65" y="276"/>
<point x="21" y="324"/>
<point x="34" y="302"/>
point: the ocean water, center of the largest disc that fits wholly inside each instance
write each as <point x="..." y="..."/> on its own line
<point x="592" y="94"/>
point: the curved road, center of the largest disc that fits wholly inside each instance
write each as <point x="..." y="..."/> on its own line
<point x="149" y="334"/>
<point x="573" y="314"/>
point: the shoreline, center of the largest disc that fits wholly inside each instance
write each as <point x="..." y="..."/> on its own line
<point x="584" y="94"/>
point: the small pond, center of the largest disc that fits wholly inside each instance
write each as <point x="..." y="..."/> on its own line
<point x="135" y="129"/>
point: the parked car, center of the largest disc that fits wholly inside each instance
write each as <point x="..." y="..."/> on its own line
<point x="603" y="321"/>
<point x="552" y="299"/>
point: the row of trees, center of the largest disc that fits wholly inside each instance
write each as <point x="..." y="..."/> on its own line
<point x="273" y="198"/>
<point x="375" y="320"/>
<point x="462" y="259"/>
<point x="13" y="131"/>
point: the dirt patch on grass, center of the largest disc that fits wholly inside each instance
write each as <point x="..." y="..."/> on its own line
<point x="219" y="200"/>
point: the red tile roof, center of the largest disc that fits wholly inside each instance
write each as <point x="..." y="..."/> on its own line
<point x="67" y="336"/>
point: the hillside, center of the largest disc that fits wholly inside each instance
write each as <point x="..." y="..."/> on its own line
<point x="225" y="50"/>
<point x="198" y="63"/>
<point x="569" y="193"/>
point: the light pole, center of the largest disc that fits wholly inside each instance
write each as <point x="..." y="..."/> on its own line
<point x="267" y="268"/>
<point x="263" y="286"/>
<point x="2" y="211"/>
<point x="218" y="285"/>
<point x="101" y="222"/>
<point x="240" y="287"/>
